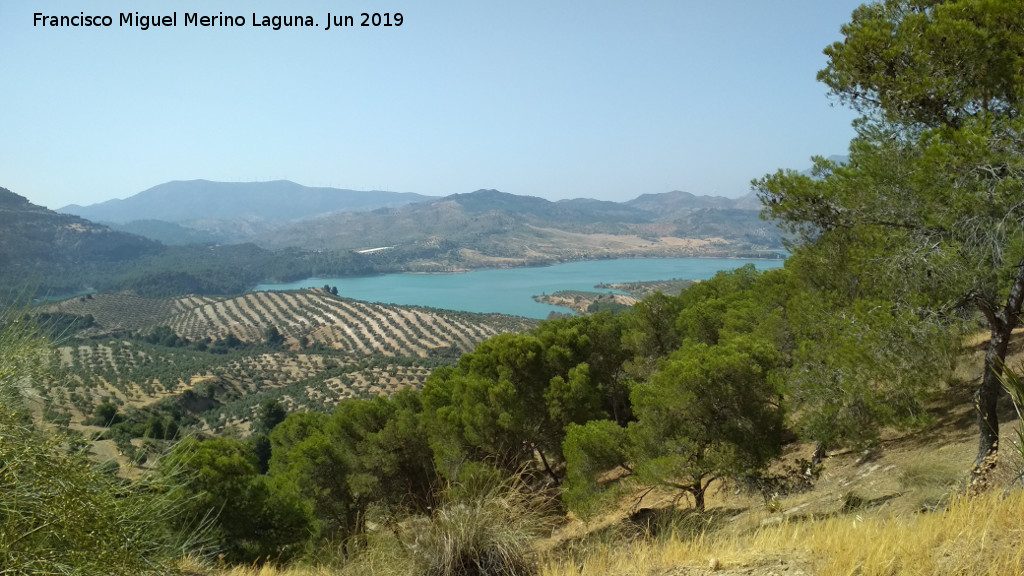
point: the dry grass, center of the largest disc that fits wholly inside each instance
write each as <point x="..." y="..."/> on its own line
<point x="191" y="566"/>
<point x="929" y="480"/>
<point x="974" y="536"/>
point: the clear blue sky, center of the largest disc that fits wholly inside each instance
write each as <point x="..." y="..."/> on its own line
<point x="549" y="98"/>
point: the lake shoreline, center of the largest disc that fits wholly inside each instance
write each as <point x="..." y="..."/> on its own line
<point x="560" y="262"/>
<point x="511" y="290"/>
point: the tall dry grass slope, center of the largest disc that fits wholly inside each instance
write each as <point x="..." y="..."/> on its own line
<point x="58" y="513"/>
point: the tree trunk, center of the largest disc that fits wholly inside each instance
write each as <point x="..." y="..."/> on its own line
<point x="987" y="396"/>
<point x="698" y="497"/>
<point x="1001" y="324"/>
<point x="547" y="467"/>
<point x="820" y="452"/>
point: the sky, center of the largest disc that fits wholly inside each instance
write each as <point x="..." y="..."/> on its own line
<point x="550" y="98"/>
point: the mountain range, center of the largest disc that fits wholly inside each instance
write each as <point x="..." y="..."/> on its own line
<point x="511" y="226"/>
<point x="223" y="238"/>
<point x="281" y="213"/>
<point x="275" y="201"/>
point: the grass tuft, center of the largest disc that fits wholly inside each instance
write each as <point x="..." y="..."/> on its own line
<point x="932" y="481"/>
<point x="492" y="533"/>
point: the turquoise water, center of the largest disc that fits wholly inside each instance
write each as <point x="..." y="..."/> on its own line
<point x="510" y="291"/>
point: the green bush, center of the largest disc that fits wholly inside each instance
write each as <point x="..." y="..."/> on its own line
<point x="252" y="518"/>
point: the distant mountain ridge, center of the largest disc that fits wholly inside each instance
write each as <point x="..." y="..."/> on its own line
<point x="281" y="201"/>
<point x="506" y="225"/>
<point x="275" y="201"/>
<point x="45" y="252"/>
<point x="678" y="200"/>
<point x="580" y="210"/>
<point x="282" y="213"/>
<point x="644" y="208"/>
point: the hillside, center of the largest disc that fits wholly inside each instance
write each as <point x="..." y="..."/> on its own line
<point x="488" y="223"/>
<point x="275" y="201"/>
<point x="169" y="371"/>
<point x="331" y="348"/>
<point x="39" y="247"/>
<point x="577" y="211"/>
<point x="901" y="508"/>
<point x="485" y="226"/>
<point x="46" y="253"/>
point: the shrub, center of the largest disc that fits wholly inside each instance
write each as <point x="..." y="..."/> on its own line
<point x="253" y="518"/>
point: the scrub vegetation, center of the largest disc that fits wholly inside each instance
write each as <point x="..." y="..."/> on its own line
<point x="800" y="420"/>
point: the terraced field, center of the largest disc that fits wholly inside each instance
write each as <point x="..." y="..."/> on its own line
<point x="333" y="348"/>
<point x="340" y="323"/>
<point x="127" y="311"/>
<point x="139" y="374"/>
<point x="313" y="315"/>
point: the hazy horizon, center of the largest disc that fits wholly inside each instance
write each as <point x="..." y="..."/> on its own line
<point x="537" y="99"/>
<point x="398" y="191"/>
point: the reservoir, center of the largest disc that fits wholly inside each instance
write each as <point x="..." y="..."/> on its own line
<point x="510" y="290"/>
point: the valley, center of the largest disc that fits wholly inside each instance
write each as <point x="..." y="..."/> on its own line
<point x="491" y="333"/>
<point x="419" y="326"/>
<point x="164" y="331"/>
<point x="191" y="247"/>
